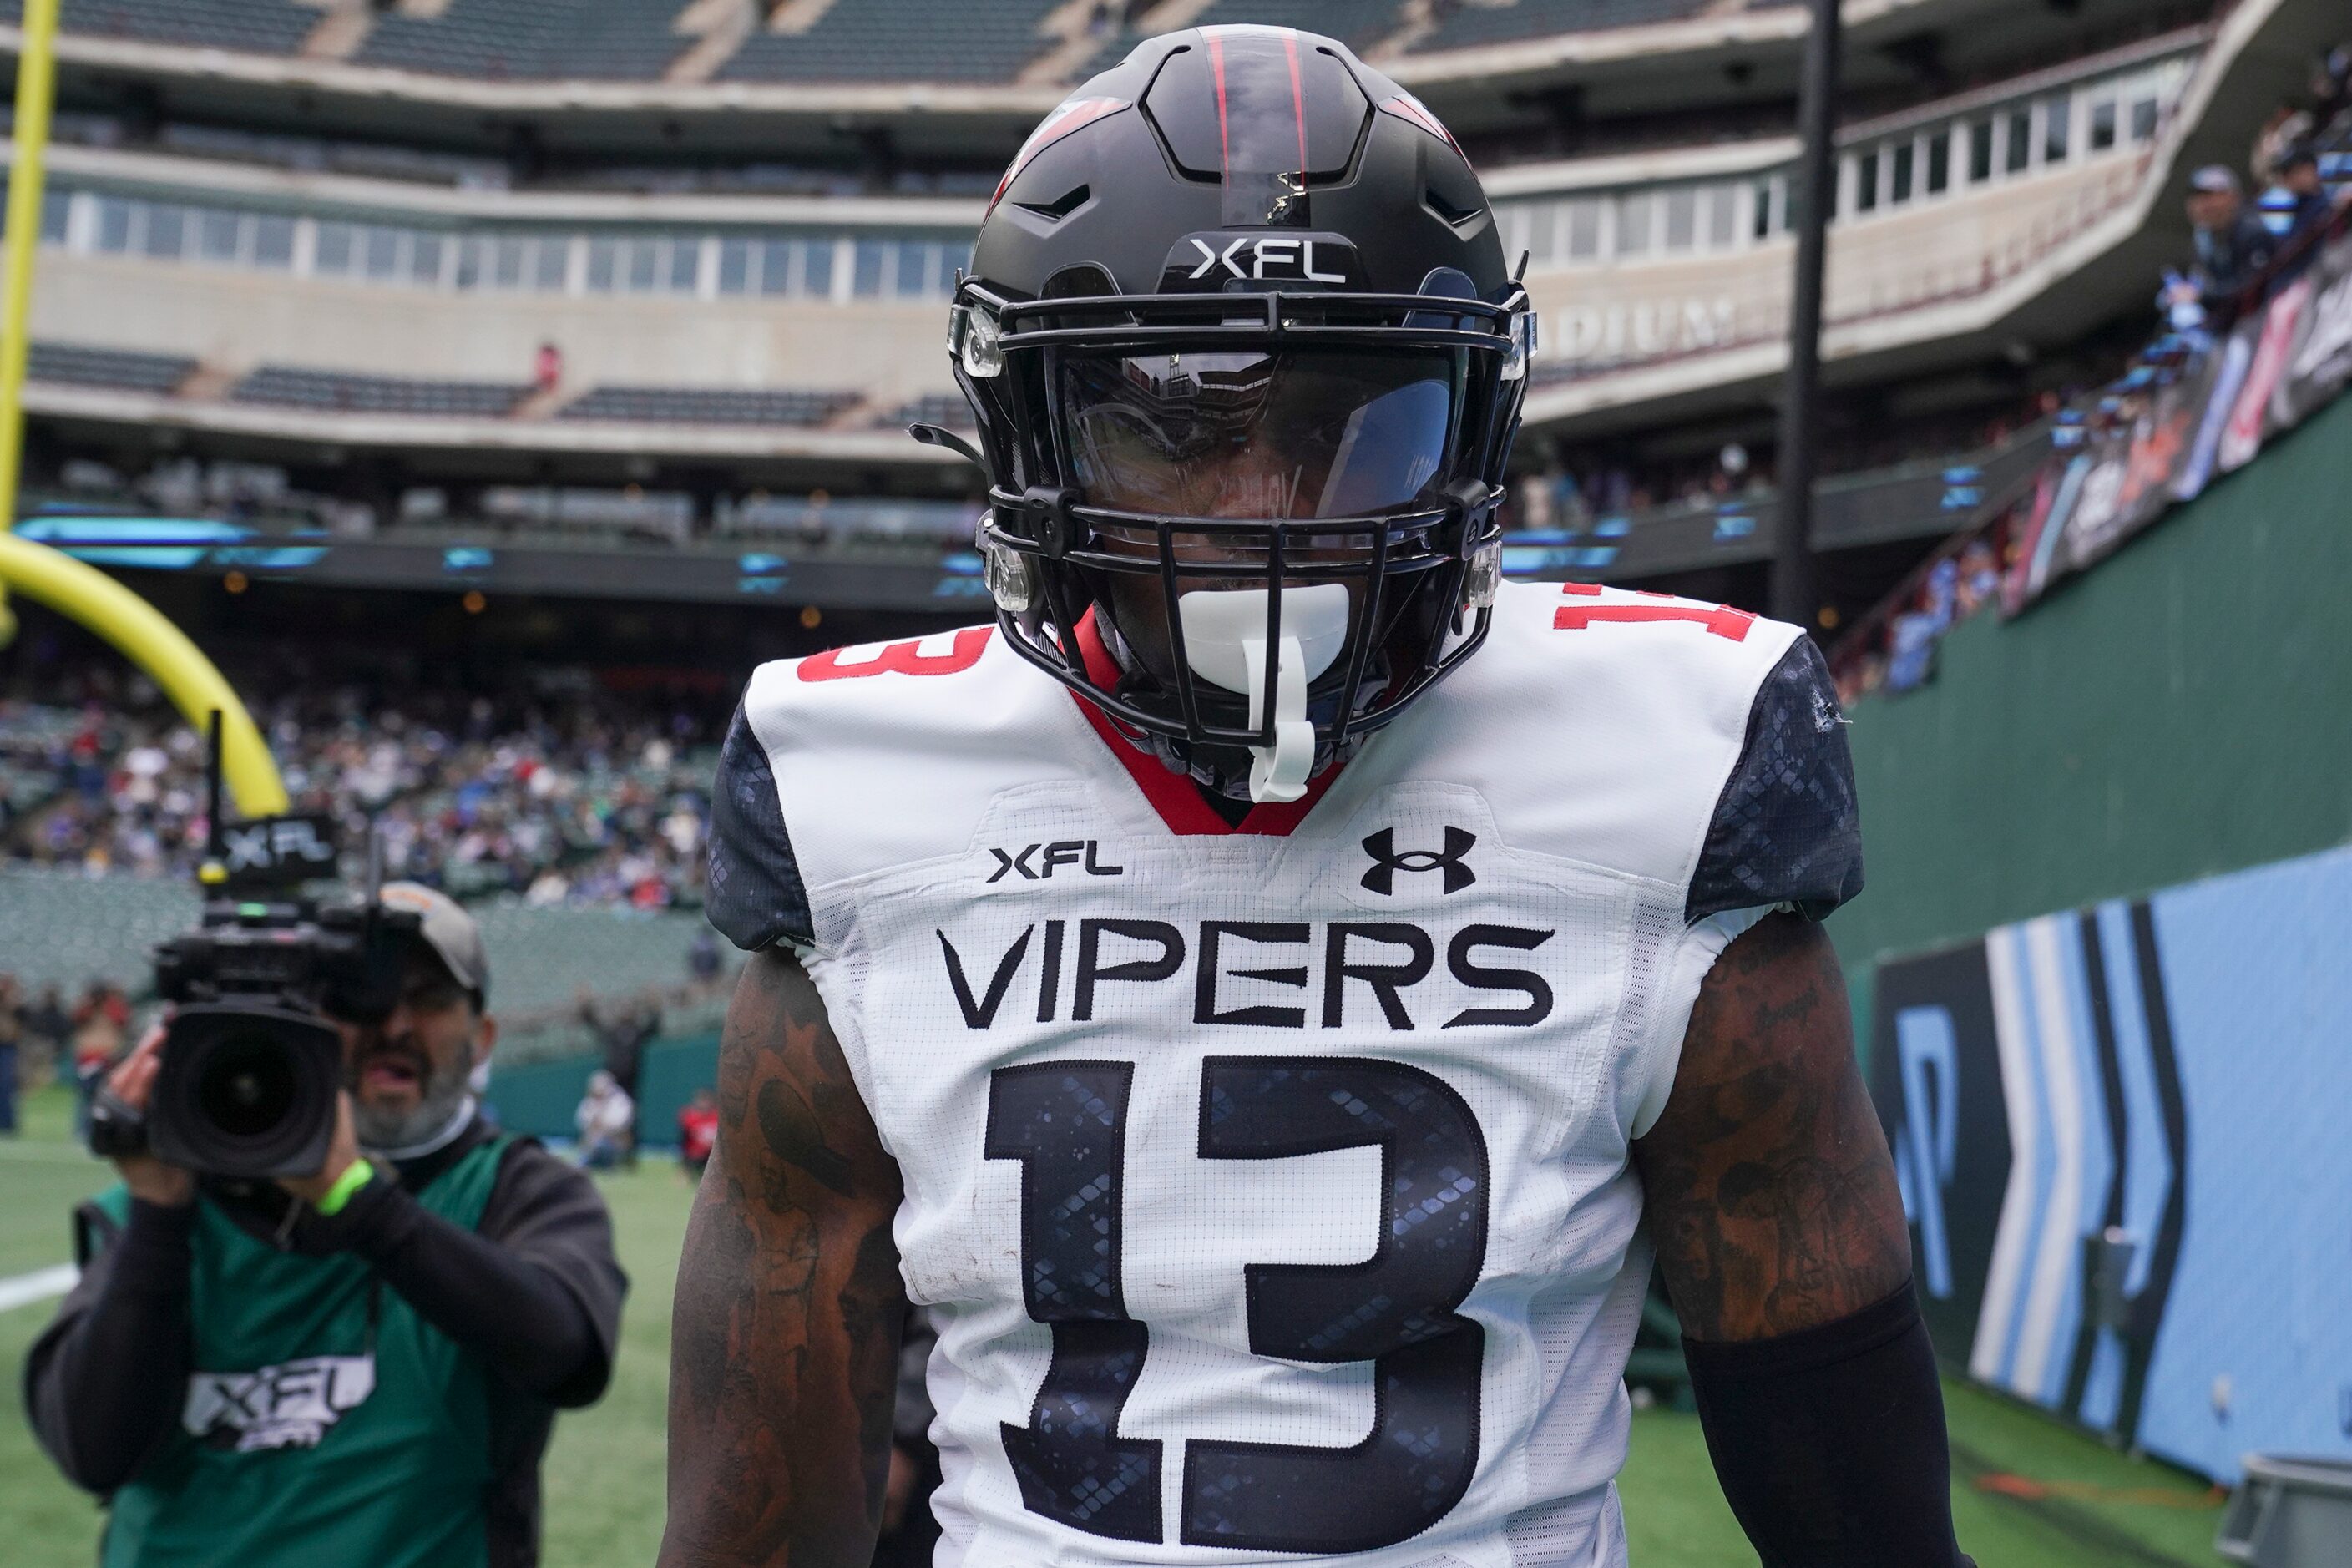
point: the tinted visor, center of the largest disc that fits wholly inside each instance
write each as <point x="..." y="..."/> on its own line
<point x="1290" y="434"/>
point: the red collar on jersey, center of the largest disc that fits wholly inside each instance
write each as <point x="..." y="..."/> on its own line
<point x="1175" y="797"/>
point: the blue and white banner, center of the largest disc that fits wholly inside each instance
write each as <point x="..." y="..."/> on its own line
<point x="2122" y="1135"/>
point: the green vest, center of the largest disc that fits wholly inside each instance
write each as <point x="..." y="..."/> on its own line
<point x="325" y="1421"/>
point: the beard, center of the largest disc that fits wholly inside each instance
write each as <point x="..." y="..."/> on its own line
<point x="439" y="1096"/>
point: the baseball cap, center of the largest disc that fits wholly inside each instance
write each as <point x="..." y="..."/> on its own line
<point x="2214" y="179"/>
<point x="448" y="930"/>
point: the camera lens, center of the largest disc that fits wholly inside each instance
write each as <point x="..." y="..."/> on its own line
<point x="248" y="1086"/>
<point x="246" y="1089"/>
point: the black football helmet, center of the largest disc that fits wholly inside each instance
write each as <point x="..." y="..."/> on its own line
<point x="1246" y="363"/>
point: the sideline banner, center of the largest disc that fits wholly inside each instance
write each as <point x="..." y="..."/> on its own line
<point x="2228" y="375"/>
<point x="2118" y="1133"/>
<point x="2250" y="421"/>
<point x="2193" y="409"/>
<point x="2320" y="362"/>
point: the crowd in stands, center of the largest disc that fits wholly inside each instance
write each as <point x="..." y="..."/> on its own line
<point x="2300" y="160"/>
<point x="1567" y="487"/>
<point x="1571" y="488"/>
<point x="2242" y="253"/>
<point x="575" y="800"/>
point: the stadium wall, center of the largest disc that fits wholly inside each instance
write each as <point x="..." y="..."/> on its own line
<point x="2116" y="1125"/>
<point x="2174" y="714"/>
<point x="2118" y="1131"/>
<point x="539" y="1098"/>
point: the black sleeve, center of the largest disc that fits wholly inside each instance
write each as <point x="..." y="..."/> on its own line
<point x="1785" y="829"/>
<point x="547" y="1210"/>
<point x="1829" y="1443"/>
<point x="536" y="1291"/>
<point x="910" y="1420"/>
<point x="753" y="892"/>
<point x="105" y="1380"/>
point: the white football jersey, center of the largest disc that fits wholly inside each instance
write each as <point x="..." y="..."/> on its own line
<point x="1268" y="1186"/>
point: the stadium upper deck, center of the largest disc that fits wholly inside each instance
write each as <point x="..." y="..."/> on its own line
<point x="814" y="40"/>
<point x="942" y="77"/>
<point x="368" y="277"/>
<point x="335" y="235"/>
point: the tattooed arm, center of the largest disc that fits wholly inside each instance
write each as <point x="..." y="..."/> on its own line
<point x="783" y="1363"/>
<point x="1771" y="1192"/>
<point x="1780" y="1232"/>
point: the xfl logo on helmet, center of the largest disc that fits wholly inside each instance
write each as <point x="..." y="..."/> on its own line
<point x="1288" y="258"/>
<point x="1381" y="848"/>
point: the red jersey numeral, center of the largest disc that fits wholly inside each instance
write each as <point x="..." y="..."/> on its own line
<point x="1721" y="619"/>
<point x="901" y="658"/>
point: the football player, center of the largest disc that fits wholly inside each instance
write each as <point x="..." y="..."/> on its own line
<point x="1270" y="994"/>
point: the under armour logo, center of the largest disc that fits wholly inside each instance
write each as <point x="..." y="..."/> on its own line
<point x="1826" y="717"/>
<point x="1381" y="848"/>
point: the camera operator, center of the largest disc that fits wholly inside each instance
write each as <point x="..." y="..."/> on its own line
<point x="360" y="1367"/>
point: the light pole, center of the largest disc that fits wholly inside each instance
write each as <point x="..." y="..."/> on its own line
<point x="1796" y="595"/>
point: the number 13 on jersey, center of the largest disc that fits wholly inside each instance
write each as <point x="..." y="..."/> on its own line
<point x="1065" y="1122"/>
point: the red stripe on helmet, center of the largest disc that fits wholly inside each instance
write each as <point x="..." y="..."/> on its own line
<point x="1224" y="142"/>
<point x="1297" y="96"/>
<point x="1069" y="116"/>
<point x="1406" y="107"/>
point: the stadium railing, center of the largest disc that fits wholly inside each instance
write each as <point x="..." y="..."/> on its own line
<point x="2155" y="427"/>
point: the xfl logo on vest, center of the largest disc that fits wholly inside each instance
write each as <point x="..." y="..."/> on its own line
<point x="287" y="1406"/>
<point x="1387" y="861"/>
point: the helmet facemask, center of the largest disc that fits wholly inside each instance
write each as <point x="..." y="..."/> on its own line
<point x="1279" y="524"/>
<point x="1246" y="365"/>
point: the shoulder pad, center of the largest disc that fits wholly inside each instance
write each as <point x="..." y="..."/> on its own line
<point x="754" y="893"/>
<point x="1785" y="829"/>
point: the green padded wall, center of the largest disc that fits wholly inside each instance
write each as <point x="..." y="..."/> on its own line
<point x="539" y="1098"/>
<point x="2183" y="709"/>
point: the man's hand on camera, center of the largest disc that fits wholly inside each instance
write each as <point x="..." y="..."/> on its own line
<point x="132" y="1081"/>
<point x="342" y="1153"/>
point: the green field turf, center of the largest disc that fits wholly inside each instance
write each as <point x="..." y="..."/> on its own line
<point x="604" y="1483"/>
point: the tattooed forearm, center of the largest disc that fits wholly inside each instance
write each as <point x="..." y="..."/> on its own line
<point x="786" y="1341"/>
<point x="1771" y="1194"/>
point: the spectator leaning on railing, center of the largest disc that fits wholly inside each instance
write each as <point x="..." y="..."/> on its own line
<point x="2231" y="243"/>
<point x="2298" y="178"/>
<point x="357" y="1367"/>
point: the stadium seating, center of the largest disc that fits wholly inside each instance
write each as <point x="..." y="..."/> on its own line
<point x="602" y="39"/>
<point x="255" y="27"/>
<point x="900" y="40"/>
<point x="68" y="928"/>
<point x="944" y="408"/>
<point x="328" y="391"/>
<point x="852" y="40"/>
<point x="117" y="368"/>
<point x="1471" y="25"/>
<point x="694" y="406"/>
